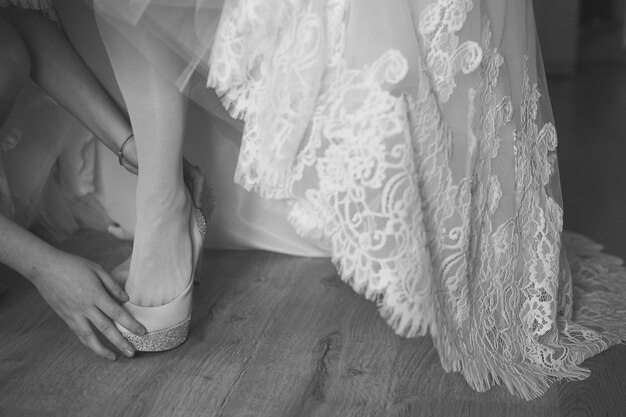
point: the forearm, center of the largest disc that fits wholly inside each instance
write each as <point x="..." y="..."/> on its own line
<point x="23" y="251"/>
<point x="59" y="70"/>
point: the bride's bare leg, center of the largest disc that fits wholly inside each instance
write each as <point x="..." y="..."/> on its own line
<point x="161" y="262"/>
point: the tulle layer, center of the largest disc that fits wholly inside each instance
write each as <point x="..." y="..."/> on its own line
<point x="47" y="169"/>
<point x="415" y="141"/>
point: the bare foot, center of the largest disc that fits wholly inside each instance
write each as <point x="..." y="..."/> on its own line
<point x="143" y="289"/>
<point x="161" y="264"/>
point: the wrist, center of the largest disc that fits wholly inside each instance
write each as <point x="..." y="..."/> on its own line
<point x="40" y="266"/>
<point x="24" y="252"/>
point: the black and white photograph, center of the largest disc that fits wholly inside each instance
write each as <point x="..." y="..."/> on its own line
<point x="312" y="208"/>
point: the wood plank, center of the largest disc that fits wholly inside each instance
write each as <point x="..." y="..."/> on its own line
<point x="272" y="335"/>
<point x="602" y="394"/>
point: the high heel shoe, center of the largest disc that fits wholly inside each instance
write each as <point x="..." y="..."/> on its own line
<point x="167" y="325"/>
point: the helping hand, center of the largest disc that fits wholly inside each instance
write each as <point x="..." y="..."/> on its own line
<point x="84" y="294"/>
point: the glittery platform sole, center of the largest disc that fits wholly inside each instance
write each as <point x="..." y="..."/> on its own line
<point x="161" y="340"/>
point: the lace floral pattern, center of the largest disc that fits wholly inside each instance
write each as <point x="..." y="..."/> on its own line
<point x="444" y="56"/>
<point x="360" y="155"/>
<point x="429" y="177"/>
<point x="263" y="78"/>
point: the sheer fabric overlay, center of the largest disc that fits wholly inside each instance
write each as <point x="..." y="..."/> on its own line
<point x="414" y="139"/>
<point x="47" y="169"/>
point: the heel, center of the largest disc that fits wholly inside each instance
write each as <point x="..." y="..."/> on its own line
<point x="161" y="340"/>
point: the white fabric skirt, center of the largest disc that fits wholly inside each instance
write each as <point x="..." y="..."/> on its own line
<point x="414" y="141"/>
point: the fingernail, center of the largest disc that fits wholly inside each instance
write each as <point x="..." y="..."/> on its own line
<point x="112" y="357"/>
<point x="129" y="352"/>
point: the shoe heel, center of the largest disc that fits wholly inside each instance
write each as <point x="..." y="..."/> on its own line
<point x="167" y="325"/>
<point x="161" y="340"/>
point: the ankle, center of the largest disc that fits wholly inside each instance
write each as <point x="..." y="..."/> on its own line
<point x="165" y="201"/>
<point x="162" y="208"/>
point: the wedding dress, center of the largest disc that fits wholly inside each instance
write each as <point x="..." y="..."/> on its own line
<point x="414" y="140"/>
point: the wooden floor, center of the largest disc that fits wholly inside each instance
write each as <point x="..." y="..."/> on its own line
<point x="274" y="335"/>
